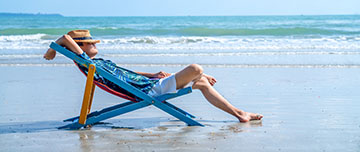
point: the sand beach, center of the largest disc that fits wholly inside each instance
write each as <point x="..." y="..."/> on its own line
<point x="300" y="72"/>
<point x="305" y="109"/>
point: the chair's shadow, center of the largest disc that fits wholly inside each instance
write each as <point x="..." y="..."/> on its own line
<point x="39" y="126"/>
<point x="131" y="123"/>
<point x="29" y="127"/>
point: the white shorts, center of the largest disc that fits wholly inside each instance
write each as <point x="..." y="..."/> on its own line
<point x="164" y="86"/>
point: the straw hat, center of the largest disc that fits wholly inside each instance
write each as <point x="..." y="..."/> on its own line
<point x="82" y="36"/>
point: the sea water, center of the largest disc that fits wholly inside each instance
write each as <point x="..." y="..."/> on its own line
<point x="237" y="41"/>
<point x="315" y="105"/>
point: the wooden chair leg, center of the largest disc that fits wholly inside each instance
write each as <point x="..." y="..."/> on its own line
<point x="88" y="94"/>
<point x="91" y="98"/>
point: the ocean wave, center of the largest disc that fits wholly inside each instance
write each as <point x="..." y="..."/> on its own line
<point x="256" y="53"/>
<point x="15" y="38"/>
<point x="33" y="41"/>
<point x="20" y="56"/>
<point x="205" y="54"/>
<point x="189" y="31"/>
<point x="268" y="31"/>
<point x="42" y="41"/>
<point x="230" y="43"/>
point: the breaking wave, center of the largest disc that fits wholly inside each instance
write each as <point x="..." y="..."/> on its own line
<point x="42" y="41"/>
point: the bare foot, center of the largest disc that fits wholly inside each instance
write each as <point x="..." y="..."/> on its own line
<point x="250" y="116"/>
<point x="211" y="79"/>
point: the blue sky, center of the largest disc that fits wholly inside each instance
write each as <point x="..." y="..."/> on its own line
<point x="181" y="7"/>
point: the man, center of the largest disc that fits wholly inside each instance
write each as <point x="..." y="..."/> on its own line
<point x="82" y="44"/>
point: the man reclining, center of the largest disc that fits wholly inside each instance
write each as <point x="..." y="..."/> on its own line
<point x="81" y="43"/>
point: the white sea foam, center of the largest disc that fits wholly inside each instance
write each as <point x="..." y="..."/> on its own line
<point x="14" y="38"/>
<point x="34" y="41"/>
<point x="230" y="43"/>
<point x="268" y="53"/>
<point x="40" y="41"/>
<point x="12" y="56"/>
<point x="256" y="53"/>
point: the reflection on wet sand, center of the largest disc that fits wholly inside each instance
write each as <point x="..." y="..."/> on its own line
<point x="162" y="138"/>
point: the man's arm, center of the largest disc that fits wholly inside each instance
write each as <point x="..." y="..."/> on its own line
<point x="160" y="74"/>
<point x="65" y="41"/>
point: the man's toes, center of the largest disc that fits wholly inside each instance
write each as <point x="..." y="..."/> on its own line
<point x="258" y="116"/>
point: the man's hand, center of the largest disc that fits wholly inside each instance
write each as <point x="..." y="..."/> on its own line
<point x="50" y="54"/>
<point x="211" y="79"/>
<point x="161" y="74"/>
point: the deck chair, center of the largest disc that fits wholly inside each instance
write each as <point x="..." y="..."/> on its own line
<point x="142" y="99"/>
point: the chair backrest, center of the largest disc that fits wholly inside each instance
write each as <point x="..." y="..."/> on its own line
<point x="83" y="62"/>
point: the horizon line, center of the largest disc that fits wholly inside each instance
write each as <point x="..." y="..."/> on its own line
<point x="210" y="15"/>
<point x="44" y="14"/>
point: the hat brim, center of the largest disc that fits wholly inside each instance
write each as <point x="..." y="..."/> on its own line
<point x="88" y="41"/>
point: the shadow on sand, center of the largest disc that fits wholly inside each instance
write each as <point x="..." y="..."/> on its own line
<point x="133" y="123"/>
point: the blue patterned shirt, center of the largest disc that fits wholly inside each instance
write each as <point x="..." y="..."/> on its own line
<point x="139" y="81"/>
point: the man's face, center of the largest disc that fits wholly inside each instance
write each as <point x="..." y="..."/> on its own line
<point x="89" y="48"/>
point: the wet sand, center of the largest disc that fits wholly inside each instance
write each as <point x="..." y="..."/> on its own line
<point x="305" y="109"/>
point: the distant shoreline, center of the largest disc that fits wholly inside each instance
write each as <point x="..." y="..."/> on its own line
<point x="5" y="14"/>
<point x="29" y="14"/>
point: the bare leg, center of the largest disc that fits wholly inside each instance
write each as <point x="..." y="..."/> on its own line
<point x="192" y="72"/>
<point x="202" y="82"/>
<point x="219" y="101"/>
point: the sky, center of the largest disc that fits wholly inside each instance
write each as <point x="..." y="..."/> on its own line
<point x="181" y="7"/>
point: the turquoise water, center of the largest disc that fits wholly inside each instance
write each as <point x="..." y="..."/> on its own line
<point x="332" y="39"/>
<point x="186" y="26"/>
